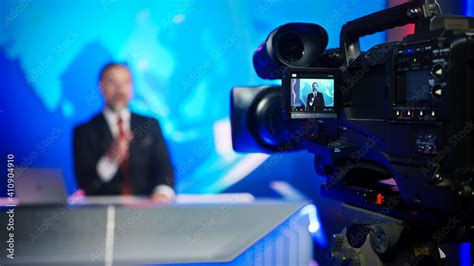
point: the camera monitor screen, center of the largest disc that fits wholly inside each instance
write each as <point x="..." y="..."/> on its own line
<point x="312" y="95"/>
<point x="414" y="85"/>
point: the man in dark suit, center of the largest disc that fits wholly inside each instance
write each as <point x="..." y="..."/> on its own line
<point x="315" y="100"/>
<point x="118" y="152"/>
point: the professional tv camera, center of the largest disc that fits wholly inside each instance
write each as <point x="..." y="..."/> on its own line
<point x="390" y="128"/>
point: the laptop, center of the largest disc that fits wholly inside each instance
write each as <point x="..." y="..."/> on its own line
<point x="40" y="186"/>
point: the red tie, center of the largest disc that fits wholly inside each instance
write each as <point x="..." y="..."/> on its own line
<point x="124" y="167"/>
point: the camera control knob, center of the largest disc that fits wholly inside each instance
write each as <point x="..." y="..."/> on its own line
<point x="384" y="237"/>
<point x="438" y="71"/>
<point x="437" y="91"/>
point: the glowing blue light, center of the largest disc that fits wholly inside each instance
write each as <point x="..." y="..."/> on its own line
<point x="314" y="226"/>
<point x="465" y="254"/>
<point x="469" y="8"/>
<point x="310" y="210"/>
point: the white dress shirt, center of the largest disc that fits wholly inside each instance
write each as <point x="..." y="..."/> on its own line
<point x="107" y="168"/>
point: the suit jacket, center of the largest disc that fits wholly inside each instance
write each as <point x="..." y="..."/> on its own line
<point x="318" y="102"/>
<point x="149" y="160"/>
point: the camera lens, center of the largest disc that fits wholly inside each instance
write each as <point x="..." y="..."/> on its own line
<point x="269" y="128"/>
<point x="290" y="47"/>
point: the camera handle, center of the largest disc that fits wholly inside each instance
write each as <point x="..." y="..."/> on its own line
<point x="410" y="12"/>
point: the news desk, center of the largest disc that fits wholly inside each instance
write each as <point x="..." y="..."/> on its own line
<point x="225" y="233"/>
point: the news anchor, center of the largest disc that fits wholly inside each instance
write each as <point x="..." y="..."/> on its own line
<point x="119" y="152"/>
<point x="315" y="100"/>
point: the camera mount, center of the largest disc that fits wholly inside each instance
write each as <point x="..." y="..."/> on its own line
<point x="376" y="239"/>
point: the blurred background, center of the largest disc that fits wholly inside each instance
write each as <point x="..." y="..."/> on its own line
<point x="185" y="57"/>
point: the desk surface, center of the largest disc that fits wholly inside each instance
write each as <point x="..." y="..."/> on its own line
<point x="91" y="235"/>
<point x="127" y="200"/>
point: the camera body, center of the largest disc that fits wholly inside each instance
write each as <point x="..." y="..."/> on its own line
<point x="394" y="122"/>
<point x="413" y="102"/>
<point x="426" y="109"/>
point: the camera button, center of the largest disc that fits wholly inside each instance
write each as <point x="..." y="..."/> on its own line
<point x="438" y="71"/>
<point x="437" y="91"/>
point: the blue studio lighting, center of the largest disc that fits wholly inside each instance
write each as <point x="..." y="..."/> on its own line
<point x="314" y="226"/>
<point x="469" y="8"/>
<point x="465" y="254"/>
